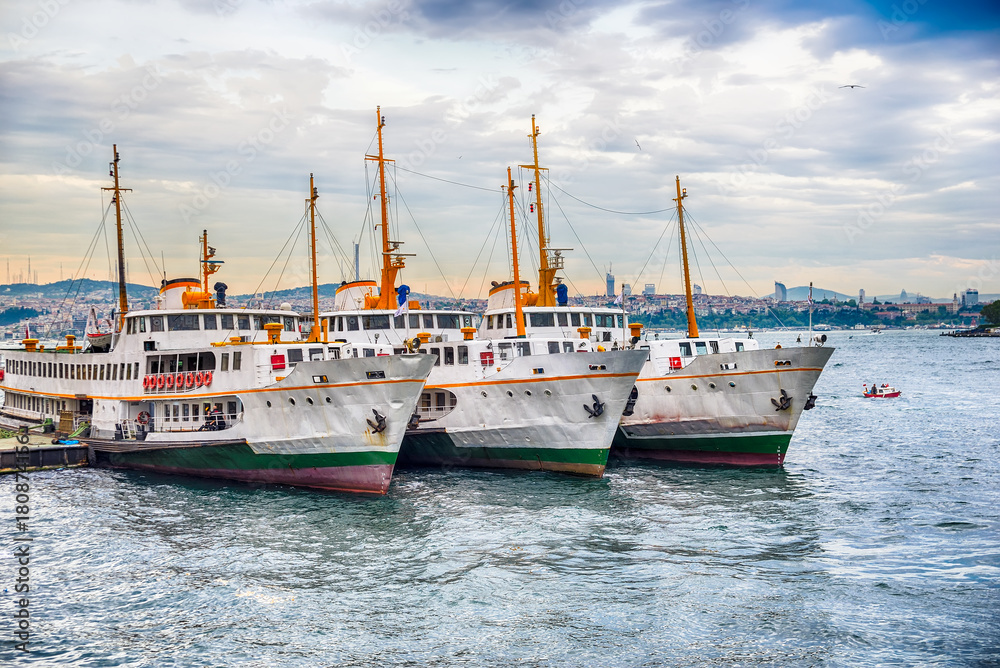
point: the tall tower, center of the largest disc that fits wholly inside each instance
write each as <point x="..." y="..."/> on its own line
<point x="611" y="284"/>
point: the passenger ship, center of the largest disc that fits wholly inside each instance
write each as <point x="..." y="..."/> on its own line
<point x="515" y="403"/>
<point x="200" y="389"/>
<point x="698" y="400"/>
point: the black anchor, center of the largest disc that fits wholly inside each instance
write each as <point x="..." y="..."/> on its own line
<point x="597" y="409"/>
<point x="379" y="425"/>
<point x="784" y="404"/>
<point x="810" y="402"/>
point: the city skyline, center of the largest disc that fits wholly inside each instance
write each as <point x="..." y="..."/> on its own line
<point x="886" y="186"/>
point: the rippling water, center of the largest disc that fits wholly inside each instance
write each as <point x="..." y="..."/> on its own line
<point x="877" y="544"/>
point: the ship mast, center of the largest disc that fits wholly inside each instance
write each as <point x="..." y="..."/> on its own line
<point x="392" y="261"/>
<point x="518" y="310"/>
<point x="314" y="333"/>
<point x="208" y="265"/>
<point x="122" y="294"/>
<point x="692" y="323"/>
<point x="546" y="269"/>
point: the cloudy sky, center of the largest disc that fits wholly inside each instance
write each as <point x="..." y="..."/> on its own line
<point x="222" y="108"/>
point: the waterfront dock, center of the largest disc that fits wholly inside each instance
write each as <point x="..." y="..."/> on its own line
<point x="43" y="454"/>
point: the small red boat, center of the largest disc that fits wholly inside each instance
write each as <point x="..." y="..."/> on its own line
<point x="882" y="391"/>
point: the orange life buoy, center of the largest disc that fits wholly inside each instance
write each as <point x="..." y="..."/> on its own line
<point x="199" y="379"/>
<point x="189" y="379"/>
<point x="208" y="378"/>
<point x="169" y="380"/>
<point x="145" y="383"/>
<point x="179" y="381"/>
<point x="160" y="381"/>
<point x="142" y="418"/>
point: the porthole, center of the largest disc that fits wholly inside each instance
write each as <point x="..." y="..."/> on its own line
<point x="329" y="400"/>
<point x="732" y="384"/>
<point x="667" y="388"/>
<point x="291" y="401"/>
<point x="483" y="393"/>
<point x="509" y="393"/>
<point x="712" y="385"/>
<point x="309" y="401"/>
<point x="527" y="393"/>
<point x="268" y="404"/>
<point x="693" y="386"/>
<point x="548" y="393"/>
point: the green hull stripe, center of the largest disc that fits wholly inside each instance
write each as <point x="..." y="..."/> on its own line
<point x="239" y="456"/>
<point x="438" y="448"/>
<point x="764" y="444"/>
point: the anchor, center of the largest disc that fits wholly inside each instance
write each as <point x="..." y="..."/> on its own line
<point x="784" y="403"/>
<point x="379" y="425"/>
<point x="597" y="409"/>
<point x="630" y="404"/>
<point x="414" y="421"/>
<point x="810" y="402"/>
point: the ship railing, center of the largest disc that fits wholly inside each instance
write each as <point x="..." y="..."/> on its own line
<point x="206" y="423"/>
<point x="428" y="413"/>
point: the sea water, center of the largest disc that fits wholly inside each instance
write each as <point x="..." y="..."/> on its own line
<point x="876" y="544"/>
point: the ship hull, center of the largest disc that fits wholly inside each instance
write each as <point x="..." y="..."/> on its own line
<point x="439" y="448"/>
<point x="722" y="409"/>
<point x="518" y="419"/>
<point x="358" y="472"/>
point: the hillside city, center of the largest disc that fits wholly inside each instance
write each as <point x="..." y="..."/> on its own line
<point x="57" y="309"/>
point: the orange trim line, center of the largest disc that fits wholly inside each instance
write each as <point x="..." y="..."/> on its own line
<point x="148" y="397"/>
<point x="538" y="378"/>
<point x="738" y="373"/>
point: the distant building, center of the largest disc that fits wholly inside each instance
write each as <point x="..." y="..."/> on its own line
<point x="861" y="296"/>
<point x="970" y="297"/>
<point x="611" y="284"/>
<point x="649" y="289"/>
<point x="902" y="296"/>
<point x="697" y="289"/>
<point x="626" y="289"/>
<point x="780" y="292"/>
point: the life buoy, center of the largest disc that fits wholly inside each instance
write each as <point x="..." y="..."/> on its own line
<point x="169" y="380"/>
<point x="161" y="381"/>
<point x="199" y="379"/>
<point x="142" y="418"/>
<point x="208" y="378"/>
<point x="145" y="383"/>
<point x="189" y="380"/>
<point x="179" y="381"/>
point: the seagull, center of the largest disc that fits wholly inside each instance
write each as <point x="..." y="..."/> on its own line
<point x="637" y="144"/>
<point x="852" y="86"/>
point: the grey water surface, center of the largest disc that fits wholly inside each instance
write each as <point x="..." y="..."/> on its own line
<point x="876" y="544"/>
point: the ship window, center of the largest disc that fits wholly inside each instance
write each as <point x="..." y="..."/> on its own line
<point x="399" y="321"/>
<point x="505" y="351"/>
<point x="243" y="322"/>
<point x="206" y="362"/>
<point x="586" y="320"/>
<point x="289" y="324"/>
<point x="467" y="320"/>
<point x="211" y="322"/>
<point x="375" y="321"/>
<point x="574" y="319"/>
<point x="510" y="323"/>
<point x="352" y="323"/>
<point x="231" y="408"/>
<point x="685" y="349"/>
<point x="227" y="321"/>
<point x="715" y="346"/>
<point x="415" y="320"/>
<point x="621" y="320"/>
<point x="340" y="323"/>
<point x="334" y="353"/>
<point x="448" y="321"/>
<point x="553" y="347"/>
<point x="437" y="356"/>
<point x="237" y="360"/>
<point x="567" y="347"/>
<point x="562" y="320"/>
<point x="156" y="323"/>
<point x="543" y="320"/>
<point x="195" y="411"/>
<point x="128" y="371"/>
<point x="369" y="352"/>
<point x="182" y="322"/>
<point x="700" y="348"/>
<point x="186" y="413"/>
<point x="102" y="372"/>
<point x="135" y="373"/>
<point x="739" y="346"/>
<point x="142" y="325"/>
<point x="114" y="372"/>
<point x="224" y="362"/>
<point x="489" y="322"/>
<point x="449" y="356"/>
<point x="463" y="354"/>
<point x="176" y="412"/>
<point x="294" y="355"/>
<point x="523" y="348"/>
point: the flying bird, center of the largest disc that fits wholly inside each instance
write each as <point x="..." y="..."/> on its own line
<point x="637" y="144"/>
<point x="852" y="86"/>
